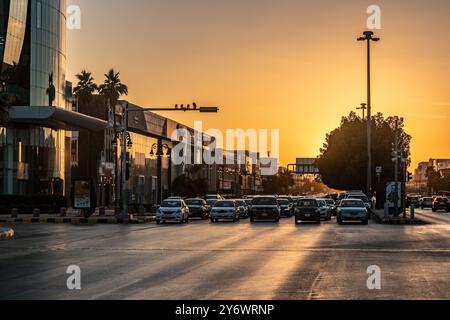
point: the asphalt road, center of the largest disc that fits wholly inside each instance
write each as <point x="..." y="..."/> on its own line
<point x="229" y="261"/>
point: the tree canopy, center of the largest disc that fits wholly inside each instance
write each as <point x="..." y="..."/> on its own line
<point x="343" y="159"/>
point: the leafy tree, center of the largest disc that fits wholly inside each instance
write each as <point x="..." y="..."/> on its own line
<point x="343" y="159"/>
<point x="278" y="184"/>
<point x="437" y="181"/>
<point x="85" y="88"/>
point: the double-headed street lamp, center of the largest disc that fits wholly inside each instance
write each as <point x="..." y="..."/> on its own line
<point x="125" y="133"/>
<point x="368" y="36"/>
<point x="363" y="108"/>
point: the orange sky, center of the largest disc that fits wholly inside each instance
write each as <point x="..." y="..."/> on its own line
<point x="292" y="65"/>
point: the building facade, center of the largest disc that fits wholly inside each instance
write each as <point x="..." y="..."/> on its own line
<point x="34" y="139"/>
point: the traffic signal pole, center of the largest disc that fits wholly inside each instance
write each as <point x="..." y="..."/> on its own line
<point x="124" y="190"/>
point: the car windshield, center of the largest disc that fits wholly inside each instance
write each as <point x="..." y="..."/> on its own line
<point x="265" y="201"/>
<point x="194" y="202"/>
<point x="360" y="197"/>
<point x="283" y="202"/>
<point x="171" y="204"/>
<point x="224" y="204"/>
<point x="240" y="203"/>
<point x="308" y="203"/>
<point x="330" y="202"/>
<point x="353" y="204"/>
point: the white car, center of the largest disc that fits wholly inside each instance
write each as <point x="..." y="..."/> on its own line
<point x="172" y="210"/>
<point x="225" y="210"/>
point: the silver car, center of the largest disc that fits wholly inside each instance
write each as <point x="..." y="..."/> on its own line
<point x="243" y="208"/>
<point x="325" y="209"/>
<point x="225" y="210"/>
<point x="353" y="210"/>
<point x="174" y="210"/>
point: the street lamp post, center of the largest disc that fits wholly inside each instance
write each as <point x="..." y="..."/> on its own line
<point x="363" y="108"/>
<point x="157" y="151"/>
<point x="124" y="130"/>
<point x="368" y="36"/>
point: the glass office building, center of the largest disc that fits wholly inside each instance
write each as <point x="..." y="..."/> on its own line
<point x="32" y="48"/>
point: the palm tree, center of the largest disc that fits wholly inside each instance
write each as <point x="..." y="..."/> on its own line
<point x="85" y="88"/>
<point x="113" y="88"/>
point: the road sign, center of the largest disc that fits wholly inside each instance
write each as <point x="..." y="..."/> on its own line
<point x="379" y="170"/>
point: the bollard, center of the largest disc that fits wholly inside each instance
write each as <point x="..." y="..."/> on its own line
<point x="36" y="212"/>
<point x="14" y="213"/>
<point x="413" y="209"/>
<point x="63" y="212"/>
<point x="102" y="211"/>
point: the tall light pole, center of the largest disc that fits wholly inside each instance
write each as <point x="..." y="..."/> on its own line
<point x="368" y="36"/>
<point x="124" y="130"/>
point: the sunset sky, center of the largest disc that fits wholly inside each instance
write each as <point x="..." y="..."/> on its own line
<point x="293" y="65"/>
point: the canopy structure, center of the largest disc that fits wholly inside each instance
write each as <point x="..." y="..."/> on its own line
<point x="55" y="118"/>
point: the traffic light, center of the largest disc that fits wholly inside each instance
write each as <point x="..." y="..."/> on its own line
<point x="409" y="176"/>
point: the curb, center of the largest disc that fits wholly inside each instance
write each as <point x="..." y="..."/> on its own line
<point x="80" y="221"/>
<point x="398" y="221"/>
<point x="7" y="234"/>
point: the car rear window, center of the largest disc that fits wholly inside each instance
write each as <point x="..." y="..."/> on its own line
<point x="283" y="202"/>
<point x="224" y="204"/>
<point x="353" y="204"/>
<point x="171" y="204"/>
<point x="264" y="201"/>
<point x="359" y="197"/>
<point x="308" y="203"/>
<point x="194" y="202"/>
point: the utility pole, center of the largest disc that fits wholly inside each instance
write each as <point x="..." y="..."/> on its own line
<point x="368" y="36"/>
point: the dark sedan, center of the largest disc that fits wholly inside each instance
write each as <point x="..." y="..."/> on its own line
<point x="198" y="208"/>
<point x="265" y="208"/>
<point x="307" y="210"/>
<point x="441" y="203"/>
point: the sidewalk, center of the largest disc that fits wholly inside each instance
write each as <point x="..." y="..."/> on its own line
<point x="6" y="233"/>
<point x="378" y="215"/>
<point x="74" y="217"/>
